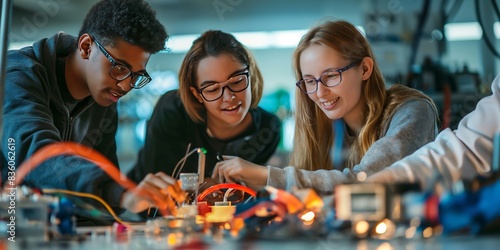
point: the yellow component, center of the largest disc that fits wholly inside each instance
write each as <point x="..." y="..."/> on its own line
<point x="220" y="214"/>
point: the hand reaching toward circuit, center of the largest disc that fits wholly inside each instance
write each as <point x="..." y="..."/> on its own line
<point x="234" y="169"/>
<point x="154" y="190"/>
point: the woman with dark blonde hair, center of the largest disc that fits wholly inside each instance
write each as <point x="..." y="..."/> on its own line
<point x="215" y="108"/>
<point x="342" y="109"/>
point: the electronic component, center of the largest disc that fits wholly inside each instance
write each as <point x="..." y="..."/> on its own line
<point x="367" y="202"/>
<point x="24" y="214"/>
<point x="189" y="181"/>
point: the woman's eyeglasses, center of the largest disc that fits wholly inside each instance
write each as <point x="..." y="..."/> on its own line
<point x="236" y="83"/>
<point x="330" y="78"/>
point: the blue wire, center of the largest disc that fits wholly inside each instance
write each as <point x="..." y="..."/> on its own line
<point x="338" y="133"/>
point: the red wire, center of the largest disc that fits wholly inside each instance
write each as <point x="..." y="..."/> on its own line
<point x="226" y="185"/>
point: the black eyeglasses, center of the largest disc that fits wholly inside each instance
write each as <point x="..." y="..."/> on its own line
<point x="330" y="78"/>
<point x="236" y="83"/>
<point x="120" y="72"/>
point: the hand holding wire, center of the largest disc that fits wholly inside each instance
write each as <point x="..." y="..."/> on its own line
<point x="234" y="169"/>
<point x="155" y="190"/>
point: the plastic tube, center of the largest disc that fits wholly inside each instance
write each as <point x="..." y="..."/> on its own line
<point x="71" y="148"/>
<point x="226" y="185"/>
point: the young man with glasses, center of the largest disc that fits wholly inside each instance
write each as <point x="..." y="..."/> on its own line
<point x="65" y="88"/>
<point x="215" y="108"/>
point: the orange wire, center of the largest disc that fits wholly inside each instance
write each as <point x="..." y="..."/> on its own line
<point x="71" y="148"/>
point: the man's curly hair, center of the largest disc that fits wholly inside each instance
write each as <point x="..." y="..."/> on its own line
<point x="133" y="21"/>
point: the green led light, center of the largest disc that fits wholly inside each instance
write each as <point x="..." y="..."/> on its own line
<point x="202" y="150"/>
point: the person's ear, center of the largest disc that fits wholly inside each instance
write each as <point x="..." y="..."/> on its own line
<point x="84" y="46"/>
<point x="367" y="68"/>
<point x="196" y="94"/>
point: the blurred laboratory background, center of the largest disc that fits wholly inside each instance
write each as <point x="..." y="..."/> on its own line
<point x="446" y="48"/>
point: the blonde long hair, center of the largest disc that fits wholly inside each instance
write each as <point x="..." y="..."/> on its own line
<point x="313" y="129"/>
<point x="214" y="43"/>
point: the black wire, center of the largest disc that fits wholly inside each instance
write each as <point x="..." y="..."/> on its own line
<point x="495" y="8"/>
<point x="446" y="16"/>
<point x="454" y="9"/>
<point x="444" y="3"/>
<point x="490" y="46"/>
<point x="418" y="33"/>
<point x="441" y="43"/>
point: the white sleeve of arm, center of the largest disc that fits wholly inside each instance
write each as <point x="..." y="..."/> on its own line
<point x="460" y="154"/>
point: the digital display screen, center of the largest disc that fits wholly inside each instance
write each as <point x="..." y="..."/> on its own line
<point x="364" y="203"/>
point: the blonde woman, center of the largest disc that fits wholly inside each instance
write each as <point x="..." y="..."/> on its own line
<point x="340" y="83"/>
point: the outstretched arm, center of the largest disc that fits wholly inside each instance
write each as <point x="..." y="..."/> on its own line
<point x="459" y="154"/>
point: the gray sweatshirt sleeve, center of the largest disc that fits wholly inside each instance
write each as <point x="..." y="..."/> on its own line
<point x="412" y="126"/>
<point x="459" y="154"/>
